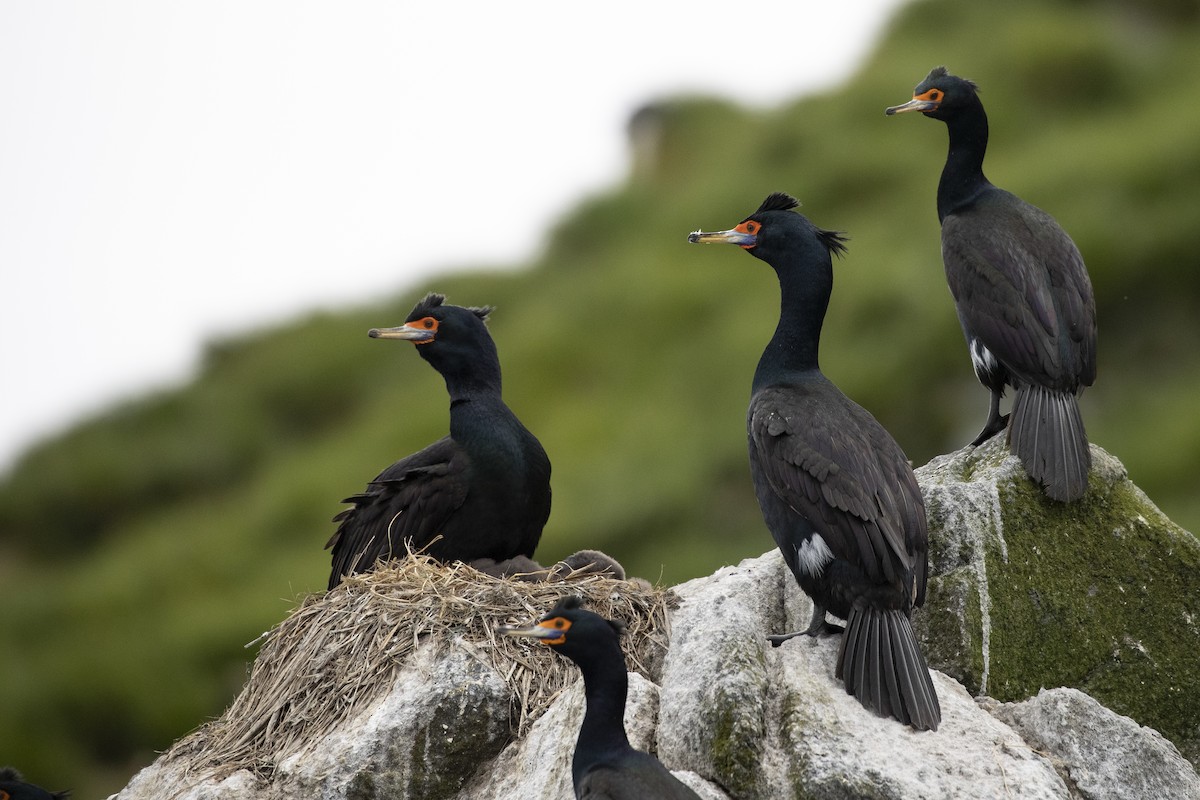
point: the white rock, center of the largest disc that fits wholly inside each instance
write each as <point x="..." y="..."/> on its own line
<point x="539" y="765"/>
<point x="734" y="717"/>
<point x="1106" y="755"/>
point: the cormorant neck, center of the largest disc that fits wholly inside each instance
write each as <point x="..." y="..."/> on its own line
<point x="605" y="685"/>
<point x="962" y="178"/>
<point x="803" y="301"/>
<point x="481" y="381"/>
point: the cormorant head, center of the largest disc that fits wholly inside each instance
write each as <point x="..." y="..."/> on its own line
<point x="14" y="787"/>
<point x="446" y="336"/>
<point x="776" y="233"/>
<point x="940" y="95"/>
<point x="571" y="630"/>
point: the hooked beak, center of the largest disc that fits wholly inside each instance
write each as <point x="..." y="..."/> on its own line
<point x="746" y="240"/>
<point x="406" y="332"/>
<point x="531" y="631"/>
<point x="912" y="105"/>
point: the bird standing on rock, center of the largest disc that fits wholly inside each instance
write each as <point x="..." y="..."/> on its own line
<point x="835" y="489"/>
<point x="605" y="766"/>
<point x="484" y="489"/>
<point x="1022" y="294"/>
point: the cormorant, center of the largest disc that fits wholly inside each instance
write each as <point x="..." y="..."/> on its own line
<point x="484" y="489"/>
<point x="835" y="489"/>
<point x="1022" y="294"/>
<point x="14" y="787"/>
<point x="605" y="766"/>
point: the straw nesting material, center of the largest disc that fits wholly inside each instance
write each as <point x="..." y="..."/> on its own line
<point x="339" y="652"/>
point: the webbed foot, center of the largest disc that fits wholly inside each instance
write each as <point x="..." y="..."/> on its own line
<point x="817" y="626"/>
<point x="824" y="629"/>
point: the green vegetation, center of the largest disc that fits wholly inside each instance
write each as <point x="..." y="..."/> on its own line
<point x="142" y="549"/>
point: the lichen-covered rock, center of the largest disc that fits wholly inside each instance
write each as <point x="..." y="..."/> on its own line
<point x="836" y="750"/>
<point x="1105" y="756"/>
<point x="1102" y="594"/>
<point x="1025" y="593"/>
<point x="767" y="722"/>
<point x="715" y="685"/>
<point x="539" y="765"/>
<point x="422" y="742"/>
<point x="447" y="713"/>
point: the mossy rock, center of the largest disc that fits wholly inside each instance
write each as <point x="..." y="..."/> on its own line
<point x="1025" y="593"/>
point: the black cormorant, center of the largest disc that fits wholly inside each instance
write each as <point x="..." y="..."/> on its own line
<point x="835" y="489"/>
<point x="605" y="766"/>
<point x="1022" y="293"/>
<point x="14" y="787"/>
<point x="484" y="489"/>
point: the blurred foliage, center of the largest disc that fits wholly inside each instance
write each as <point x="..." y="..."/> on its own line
<point x="143" y="548"/>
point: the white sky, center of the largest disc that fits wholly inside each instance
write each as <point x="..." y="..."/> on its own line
<point x="174" y="170"/>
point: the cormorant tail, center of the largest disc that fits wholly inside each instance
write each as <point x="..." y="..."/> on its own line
<point x="1047" y="435"/>
<point x="881" y="665"/>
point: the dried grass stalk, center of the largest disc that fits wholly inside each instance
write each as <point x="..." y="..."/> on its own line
<point x="339" y="652"/>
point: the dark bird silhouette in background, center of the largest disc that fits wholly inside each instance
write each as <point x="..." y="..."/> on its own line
<point x="1022" y="294"/>
<point x="605" y="766"/>
<point x="835" y="489"/>
<point x="484" y="489"/>
<point x="14" y="787"/>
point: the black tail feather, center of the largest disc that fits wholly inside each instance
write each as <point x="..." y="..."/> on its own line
<point x="1047" y="434"/>
<point x="881" y="665"/>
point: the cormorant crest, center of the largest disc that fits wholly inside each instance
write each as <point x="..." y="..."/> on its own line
<point x="574" y="601"/>
<point x="942" y="72"/>
<point x="436" y="299"/>
<point x="568" y="603"/>
<point x="778" y="201"/>
<point x="834" y="241"/>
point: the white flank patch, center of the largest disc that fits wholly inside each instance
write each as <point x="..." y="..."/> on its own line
<point x="982" y="358"/>
<point x="813" y="555"/>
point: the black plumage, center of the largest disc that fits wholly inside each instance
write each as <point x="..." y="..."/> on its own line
<point x="835" y="489"/>
<point x="484" y="489"/>
<point x="605" y="766"/>
<point x="1022" y="293"/>
<point x="14" y="787"/>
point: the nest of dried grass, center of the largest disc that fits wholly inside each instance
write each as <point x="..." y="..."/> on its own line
<point x="339" y="652"/>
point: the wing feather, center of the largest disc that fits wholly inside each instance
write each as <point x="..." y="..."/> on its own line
<point x="1020" y="286"/>
<point x="836" y="466"/>
<point x="409" y="501"/>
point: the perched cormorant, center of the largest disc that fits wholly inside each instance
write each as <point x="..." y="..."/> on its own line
<point x="484" y="489"/>
<point x="1022" y="293"/>
<point x="605" y="766"/>
<point x="14" y="787"/>
<point x="835" y="489"/>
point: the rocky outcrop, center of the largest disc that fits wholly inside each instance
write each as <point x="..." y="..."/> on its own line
<point x="1025" y="593"/>
<point x="736" y="718"/>
<point x="769" y="722"/>
<point x="1102" y="755"/>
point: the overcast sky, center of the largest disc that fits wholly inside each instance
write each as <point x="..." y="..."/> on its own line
<point x="171" y="171"/>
